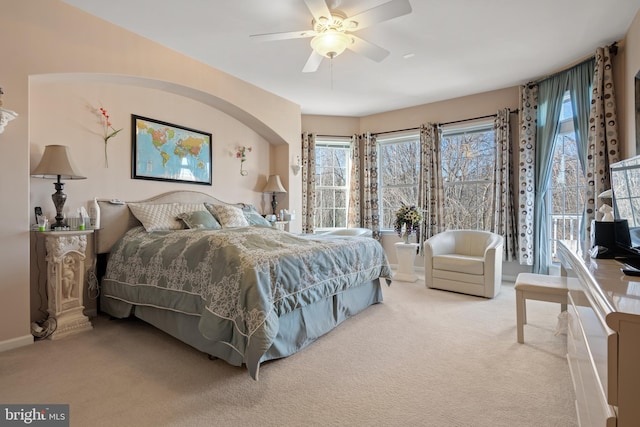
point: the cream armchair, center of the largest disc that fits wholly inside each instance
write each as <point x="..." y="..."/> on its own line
<point x="465" y="261"/>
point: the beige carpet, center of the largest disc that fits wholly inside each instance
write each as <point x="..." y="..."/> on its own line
<point x="422" y="358"/>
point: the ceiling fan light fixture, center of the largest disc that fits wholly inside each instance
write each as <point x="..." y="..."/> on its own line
<point x="330" y="43"/>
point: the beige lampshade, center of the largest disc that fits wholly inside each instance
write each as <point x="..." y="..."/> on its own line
<point x="274" y="185"/>
<point x="55" y="162"/>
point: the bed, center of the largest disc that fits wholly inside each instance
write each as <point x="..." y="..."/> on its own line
<point x="246" y="292"/>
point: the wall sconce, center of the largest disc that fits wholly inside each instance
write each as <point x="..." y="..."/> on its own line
<point x="296" y="168"/>
<point x="5" y="115"/>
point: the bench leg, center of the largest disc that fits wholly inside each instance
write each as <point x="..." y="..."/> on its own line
<point x="521" y="315"/>
<point x="563" y="307"/>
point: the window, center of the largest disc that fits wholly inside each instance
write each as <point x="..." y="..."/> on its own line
<point x="332" y="182"/>
<point x="566" y="198"/>
<point x="399" y="174"/>
<point x="468" y="164"/>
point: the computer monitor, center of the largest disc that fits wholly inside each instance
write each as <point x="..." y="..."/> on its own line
<point x="625" y="188"/>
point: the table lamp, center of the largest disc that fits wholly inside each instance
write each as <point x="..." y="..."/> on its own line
<point x="274" y="186"/>
<point x="56" y="164"/>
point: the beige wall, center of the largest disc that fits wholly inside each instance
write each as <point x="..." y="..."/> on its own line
<point x="56" y="62"/>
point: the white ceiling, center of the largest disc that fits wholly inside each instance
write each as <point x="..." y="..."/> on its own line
<point x="459" y="47"/>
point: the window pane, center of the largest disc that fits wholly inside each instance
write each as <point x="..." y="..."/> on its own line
<point x="332" y="183"/>
<point x="566" y="198"/>
<point x="392" y="199"/>
<point x="399" y="174"/>
<point x="468" y="168"/>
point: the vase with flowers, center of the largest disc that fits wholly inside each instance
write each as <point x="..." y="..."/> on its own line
<point x="241" y="153"/>
<point x="108" y="132"/>
<point x="407" y="221"/>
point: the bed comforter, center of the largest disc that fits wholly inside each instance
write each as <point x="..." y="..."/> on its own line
<point x="239" y="280"/>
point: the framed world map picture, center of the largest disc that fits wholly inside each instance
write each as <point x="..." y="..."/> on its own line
<point x="166" y="152"/>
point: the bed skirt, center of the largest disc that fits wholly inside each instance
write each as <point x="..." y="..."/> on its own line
<point x="297" y="329"/>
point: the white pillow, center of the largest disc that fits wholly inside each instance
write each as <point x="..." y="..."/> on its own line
<point x="228" y="216"/>
<point x="162" y="216"/>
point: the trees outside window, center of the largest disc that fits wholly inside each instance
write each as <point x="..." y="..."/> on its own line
<point x="566" y="198"/>
<point x="332" y="182"/>
<point x="468" y="168"/>
<point x="468" y="164"/>
<point x="399" y="174"/>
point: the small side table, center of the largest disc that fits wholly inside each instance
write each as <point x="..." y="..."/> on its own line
<point x="406" y="258"/>
<point x="65" y="280"/>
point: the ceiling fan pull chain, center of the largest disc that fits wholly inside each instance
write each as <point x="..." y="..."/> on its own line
<point x="331" y="68"/>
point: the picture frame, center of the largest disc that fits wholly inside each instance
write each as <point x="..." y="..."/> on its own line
<point x="164" y="151"/>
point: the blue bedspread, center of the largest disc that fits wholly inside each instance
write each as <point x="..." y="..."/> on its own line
<point x="238" y="280"/>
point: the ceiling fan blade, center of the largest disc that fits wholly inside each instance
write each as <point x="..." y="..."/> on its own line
<point x="283" y="36"/>
<point x="318" y="9"/>
<point x="384" y="12"/>
<point x="312" y="63"/>
<point x="368" y="49"/>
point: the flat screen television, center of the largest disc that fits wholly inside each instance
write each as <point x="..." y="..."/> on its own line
<point x="625" y="188"/>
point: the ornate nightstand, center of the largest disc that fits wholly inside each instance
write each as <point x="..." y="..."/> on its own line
<point x="65" y="280"/>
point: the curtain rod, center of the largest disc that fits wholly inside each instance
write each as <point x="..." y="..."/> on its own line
<point x="613" y="48"/>
<point x="446" y="123"/>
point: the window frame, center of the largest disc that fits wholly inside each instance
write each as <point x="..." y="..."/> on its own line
<point x="333" y="142"/>
<point x="479" y="126"/>
<point x="395" y="138"/>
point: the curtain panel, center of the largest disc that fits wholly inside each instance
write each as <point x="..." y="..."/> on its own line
<point x="504" y="218"/>
<point x="371" y="213"/>
<point x="550" y="96"/>
<point x="354" y="216"/>
<point x="528" y="107"/>
<point x="604" y="147"/>
<point x="430" y="188"/>
<point x="308" y="181"/>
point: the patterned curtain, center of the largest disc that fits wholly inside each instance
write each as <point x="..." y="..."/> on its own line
<point x="308" y="181"/>
<point x="354" y="215"/>
<point x="430" y="189"/>
<point x="604" y="148"/>
<point x="528" y="107"/>
<point x="503" y="221"/>
<point x="370" y="184"/>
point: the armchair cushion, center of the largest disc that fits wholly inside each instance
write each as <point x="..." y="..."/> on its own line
<point x="460" y="263"/>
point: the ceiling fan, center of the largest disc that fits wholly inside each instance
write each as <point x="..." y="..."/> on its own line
<point x="332" y="30"/>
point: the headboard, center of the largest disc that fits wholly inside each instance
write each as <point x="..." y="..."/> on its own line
<point x="117" y="219"/>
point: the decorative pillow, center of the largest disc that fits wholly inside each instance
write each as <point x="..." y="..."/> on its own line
<point x="199" y="219"/>
<point x="227" y="215"/>
<point x="253" y="217"/>
<point x="162" y="216"/>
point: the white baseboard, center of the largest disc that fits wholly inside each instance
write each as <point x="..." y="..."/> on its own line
<point x="16" y="342"/>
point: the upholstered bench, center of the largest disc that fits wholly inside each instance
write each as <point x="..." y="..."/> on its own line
<point x="540" y="287"/>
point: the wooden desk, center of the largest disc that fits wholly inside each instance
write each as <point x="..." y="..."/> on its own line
<point x="603" y="338"/>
